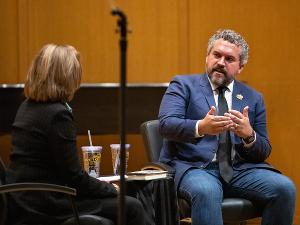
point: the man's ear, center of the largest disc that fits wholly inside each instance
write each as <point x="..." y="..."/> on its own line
<point x="241" y="68"/>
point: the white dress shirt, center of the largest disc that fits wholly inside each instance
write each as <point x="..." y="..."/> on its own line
<point x="228" y="97"/>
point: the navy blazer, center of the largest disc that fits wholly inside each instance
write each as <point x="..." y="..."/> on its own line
<point x="187" y="100"/>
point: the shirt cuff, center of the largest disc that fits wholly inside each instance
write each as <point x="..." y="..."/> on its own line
<point x="197" y="135"/>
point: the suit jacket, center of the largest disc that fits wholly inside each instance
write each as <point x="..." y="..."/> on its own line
<point x="44" y="150"/>
<point x="187" y="100"/>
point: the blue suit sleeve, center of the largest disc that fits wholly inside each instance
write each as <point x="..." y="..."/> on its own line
<point x="172" y="114"/>
<point x="261" y="149"/>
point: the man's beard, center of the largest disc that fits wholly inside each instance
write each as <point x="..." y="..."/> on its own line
<point x="219" y="80"/>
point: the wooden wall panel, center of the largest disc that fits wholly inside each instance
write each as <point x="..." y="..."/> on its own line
<point x="154" y="51"/>
<point x="9" y="41"/>
<point x="87" y="25"/>
<point x="153" y="45"/>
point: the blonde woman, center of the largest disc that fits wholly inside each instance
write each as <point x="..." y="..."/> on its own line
<point x="44" y="147"/>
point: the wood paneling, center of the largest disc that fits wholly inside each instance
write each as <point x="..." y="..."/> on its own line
<point x="87" y="25"/>
<point x="153" y="44"/>
<point x="9" y="70"/>
<point x="154" y="53"/>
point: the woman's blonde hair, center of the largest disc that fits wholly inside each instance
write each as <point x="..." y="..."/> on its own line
<point x="54" y="75"/>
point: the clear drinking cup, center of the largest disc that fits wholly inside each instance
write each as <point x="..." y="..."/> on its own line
<point x="92" y="159"/>
<point x="115" y="156"/>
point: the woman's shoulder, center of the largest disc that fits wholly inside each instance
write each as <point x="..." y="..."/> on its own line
<point x="32" y="114"/>
<point x="44" y="109"/>
<point x="51" y="106"/>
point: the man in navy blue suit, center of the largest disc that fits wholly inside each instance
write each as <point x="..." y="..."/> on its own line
<point x="192" y="127"/>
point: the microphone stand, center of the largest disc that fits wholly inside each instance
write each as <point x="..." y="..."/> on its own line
<point x="122" y="23"/>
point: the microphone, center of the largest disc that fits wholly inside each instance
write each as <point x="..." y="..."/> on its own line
<point x="114" y="7"/>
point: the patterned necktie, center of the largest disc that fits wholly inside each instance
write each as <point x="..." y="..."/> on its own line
<point x="224" y="149"/>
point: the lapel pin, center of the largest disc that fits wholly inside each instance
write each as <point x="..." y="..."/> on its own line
<point x="239" y="96"/>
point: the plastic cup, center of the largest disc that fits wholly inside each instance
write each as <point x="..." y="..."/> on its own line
<point x="92" y="159"/>
<point x="115" y="157"/>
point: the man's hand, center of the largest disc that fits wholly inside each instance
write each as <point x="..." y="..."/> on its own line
<point x="212" y="124"/>
<point x="241" y="124"/>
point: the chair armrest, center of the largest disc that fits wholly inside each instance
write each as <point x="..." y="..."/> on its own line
<point x="36" y="187"/>
<point x="6" y="188"/>
<point x="159" y="166"/>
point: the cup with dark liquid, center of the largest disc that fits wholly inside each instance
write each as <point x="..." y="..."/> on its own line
<point x="115" y="157"/>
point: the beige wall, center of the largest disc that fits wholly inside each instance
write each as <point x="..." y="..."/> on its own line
<point x="168" y="37"/>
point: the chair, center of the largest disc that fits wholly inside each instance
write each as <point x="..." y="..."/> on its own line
<point x="69" y="192"/>
<point x="234" y="210"/>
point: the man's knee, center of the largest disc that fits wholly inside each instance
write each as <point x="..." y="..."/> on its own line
<point x="285" y="188"/>
<point x="203" y="192"/>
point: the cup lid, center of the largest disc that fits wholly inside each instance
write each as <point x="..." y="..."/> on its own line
<point x="91" y="148"/>
<point x="118" y="146"/>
